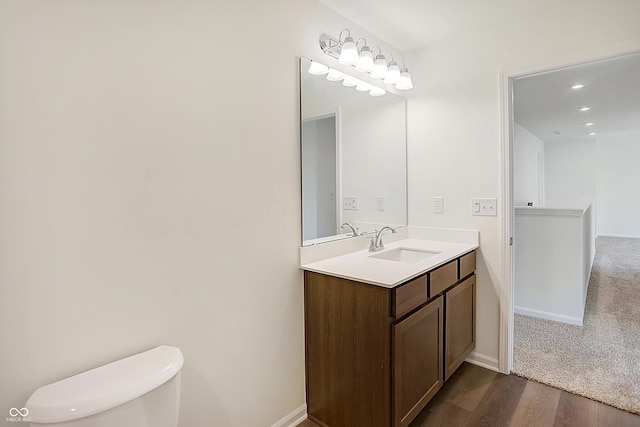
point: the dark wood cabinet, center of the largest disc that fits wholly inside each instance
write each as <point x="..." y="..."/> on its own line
<point x="460" y="318"/>
<point x="375" y="356"/>
<point x="348" y="352"/>
<point x="417" y="361"/>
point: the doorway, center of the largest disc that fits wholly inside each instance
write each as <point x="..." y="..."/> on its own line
<point x="320" y="216"/>
<point x="508" y="77"/>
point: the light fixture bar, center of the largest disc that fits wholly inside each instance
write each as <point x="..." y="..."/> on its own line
<point x="330" y="46"/>
<point x="349" y="53"/>
<point x="331" y="74"/>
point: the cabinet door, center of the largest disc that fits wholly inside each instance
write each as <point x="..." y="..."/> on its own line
<point x="417" y="361"/>
<point x="460" y="324"/>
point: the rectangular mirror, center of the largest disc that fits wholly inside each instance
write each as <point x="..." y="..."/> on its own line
<point x="353" y="149"/>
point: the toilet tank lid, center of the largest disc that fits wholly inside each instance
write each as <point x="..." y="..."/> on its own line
<point x="106" y="387"/>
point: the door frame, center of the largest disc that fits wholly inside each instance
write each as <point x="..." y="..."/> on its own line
<point x="507" y="76"/>
<point x="336" y="114"/>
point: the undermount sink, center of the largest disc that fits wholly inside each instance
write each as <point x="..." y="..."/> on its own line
<point x="405" y="255"/>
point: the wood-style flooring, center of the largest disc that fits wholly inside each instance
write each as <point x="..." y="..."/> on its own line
<point x="475" y="396"/>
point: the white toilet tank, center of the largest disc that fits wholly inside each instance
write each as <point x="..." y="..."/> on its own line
<point x="139" y="391"/>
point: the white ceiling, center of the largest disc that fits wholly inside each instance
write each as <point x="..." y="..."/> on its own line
<point x="543" y="104"/>
<point x="546" y="104"/>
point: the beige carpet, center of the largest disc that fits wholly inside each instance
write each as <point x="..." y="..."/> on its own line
<point x="600" y="360"/>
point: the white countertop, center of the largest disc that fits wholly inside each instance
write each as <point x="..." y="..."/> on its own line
<point x="362" y="267"/>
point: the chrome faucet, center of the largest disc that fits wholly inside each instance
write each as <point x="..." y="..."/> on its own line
<point x="354" y="230"/>
<point x="376" y="242"/>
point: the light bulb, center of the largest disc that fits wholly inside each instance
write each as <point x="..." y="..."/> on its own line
<point x="405" y="82"/>
<point x="348" y="52"/>
<point x="318" y="69"/>
<point x="393" y="76"/>
<point x="350" y="81"/>
<point x="365" y="63"/>
<point x="363" y="87"/>
<point x="380" y="70"/>
<point x="335" y="75"/>
<point x="377" y="91"/>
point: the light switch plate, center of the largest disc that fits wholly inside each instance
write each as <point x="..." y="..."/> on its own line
<point x="438" y="205"/>
<point x="484" y="207"/>
<point x="380" y="203"/>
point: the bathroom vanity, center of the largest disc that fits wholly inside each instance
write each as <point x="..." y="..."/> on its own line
<point x="384" y="332"/>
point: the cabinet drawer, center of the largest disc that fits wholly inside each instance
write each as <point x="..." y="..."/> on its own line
<point x="467" y="264"/>
<point x="409" y="296"/>
<point x="443" y="277"/>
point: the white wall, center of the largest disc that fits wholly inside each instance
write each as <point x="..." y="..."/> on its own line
<point x="617" y="183"/>
<point x="603" y="169"/>
<point x="570" y="172"/>
<point x="454" y="131"/>
<point x="528" y="168"/>
<point x="150" y="194"/>
<point x="551" y="276"/>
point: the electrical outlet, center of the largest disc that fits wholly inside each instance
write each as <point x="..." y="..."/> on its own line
<point x="484" y="207"/>
<point x="350" y="203"/>
<point x="380" y="203"/>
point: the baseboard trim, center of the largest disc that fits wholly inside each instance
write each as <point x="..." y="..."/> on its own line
<point x="548" y="316"/>
<point x="628" y="236"/>
<point x="484" y="361"/>
<point x="294" y="418"/>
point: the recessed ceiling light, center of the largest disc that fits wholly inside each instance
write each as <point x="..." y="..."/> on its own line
<point x="591" y="133"/>
<point x="589" y="124"/>
<point x="577" y="86"/>
<point x="585" y="109"/>
<point x="557" y="132"/>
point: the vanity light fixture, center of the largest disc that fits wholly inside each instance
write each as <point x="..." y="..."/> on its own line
<point x="366" y="60"/>
<point x="363" y="86"/>
<point x="393" y="76"/>
<point x="334" y="75"/>
<point x="380" y="69"/>
<point x="350" y="81"/>
<point x="377" y="91"/>
<point x="318" y="69"/>
<point x="348" y="49"/>
<point x="405" y="82"/>
<point x="363" y="59"/>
